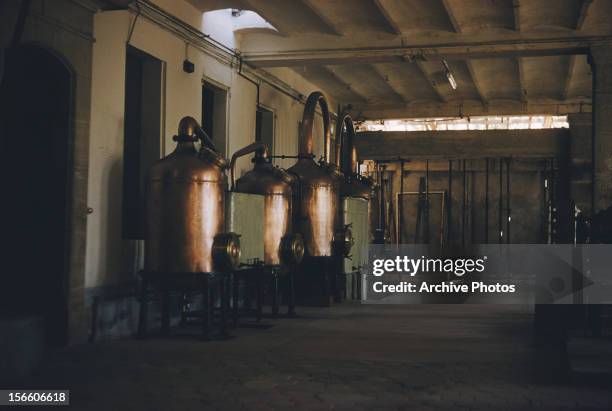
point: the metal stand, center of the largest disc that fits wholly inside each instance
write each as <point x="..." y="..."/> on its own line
<point x="184" y="282"/>
<point x="248" y="275"/>
<point x="275" y="296"/>
<point x="260" y="277"/>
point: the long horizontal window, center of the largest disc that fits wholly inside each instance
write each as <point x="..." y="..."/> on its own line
<point x="466" y="123"/>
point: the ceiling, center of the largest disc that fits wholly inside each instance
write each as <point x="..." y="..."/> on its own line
<point x="386" y="57"/>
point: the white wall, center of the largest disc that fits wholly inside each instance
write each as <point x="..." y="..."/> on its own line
<point x="111" y="260"/>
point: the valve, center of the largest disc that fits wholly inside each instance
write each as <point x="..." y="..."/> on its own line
<point x="291" y="250"/>
<point x="226" y="252"/>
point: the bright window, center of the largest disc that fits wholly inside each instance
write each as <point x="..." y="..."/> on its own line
<point x="466" y="123"/>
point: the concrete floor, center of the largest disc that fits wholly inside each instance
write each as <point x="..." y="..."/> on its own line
<point x="349" y="357"/>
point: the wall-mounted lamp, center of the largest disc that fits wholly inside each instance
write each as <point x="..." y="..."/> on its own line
<point x="188" y="66"/>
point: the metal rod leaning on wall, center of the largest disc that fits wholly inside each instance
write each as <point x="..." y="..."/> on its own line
<point x="486" y="202"/>
<point x="426" y="205"/>
<point x="389" y="203"/>
<point x="472" y="219"/>
<point x="450" y="202"/>
<point x="463" y="202"/>
<point x="383" y="215"/>
<point x="442" y="216"/>
<point x="508" y="211"/>
<point x="500" y="227"/>
<point x="397" y="217"/>
<point x="419" y="211"/>
<point x="400" y="205"/>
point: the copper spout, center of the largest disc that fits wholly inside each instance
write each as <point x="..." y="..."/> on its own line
<point x="305" y="142"/>
<point x="205" y="139"/>
<point x="253" y="147"/>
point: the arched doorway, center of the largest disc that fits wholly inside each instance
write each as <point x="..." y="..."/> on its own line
<point x="35" y="124"/>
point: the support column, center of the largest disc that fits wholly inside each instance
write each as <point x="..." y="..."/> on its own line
<point x="601" y="63"/>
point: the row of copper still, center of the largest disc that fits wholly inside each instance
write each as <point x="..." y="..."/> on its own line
<point x="305" y="198"/>
<point x="186" y="200"/>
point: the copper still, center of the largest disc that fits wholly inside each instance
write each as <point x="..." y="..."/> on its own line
<point x="281" y="247"/>
<point x="185" y="208"/>
<point x="316" y="189"/>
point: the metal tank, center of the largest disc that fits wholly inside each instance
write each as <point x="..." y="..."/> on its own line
<point x="185" y="208"/>
<point x="353" y="185"/>
<point x="281" y="247"/>
<point x="316" y="189"/>
<point x="356" y="195"/>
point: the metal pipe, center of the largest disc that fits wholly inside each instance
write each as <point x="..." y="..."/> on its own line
<point x="340" y="124"/>
<point x="426" y="209"/>
<point x="463" y="203"/>
<point x="500" y="226"/>
<point x="251" y="148"/>
<point x="420" y="201"/>
<point x="205" y="139"/>
<point x="486" y="202"/>
<point x="283" y="156"/>
<point x="400" y="204"/>
<point x="508" y="213"/>
<point x="471" y="207"/>
<point x="346" y="153"/>
<point x="381" y="222"/>
<point x="450" y="200"/>
<point x="257" y="87"/>
<point x="343" y="121"/>
<point x="204" y="43"/>
<point x="305" y="141"/>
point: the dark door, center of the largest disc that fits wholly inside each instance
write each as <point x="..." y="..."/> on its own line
<point x="35" y="118"/>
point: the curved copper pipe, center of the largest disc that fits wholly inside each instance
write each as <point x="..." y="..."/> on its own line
<point x="189" y="130"/>
<point x="346" y="153"/>
<point x="339" y="128"/>
<point x="251" y="148"/>
<point x="305" y="142"/>
<point x="205" y="139"/>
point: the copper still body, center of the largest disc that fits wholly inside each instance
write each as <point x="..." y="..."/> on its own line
<point x="316" y="190"/>
<point x="280" y="246"/>
<point x="353" y="184"/>
<point x="185" y="209"/>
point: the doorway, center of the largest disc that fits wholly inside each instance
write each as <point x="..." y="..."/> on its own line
<point x="35" y="123"/>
